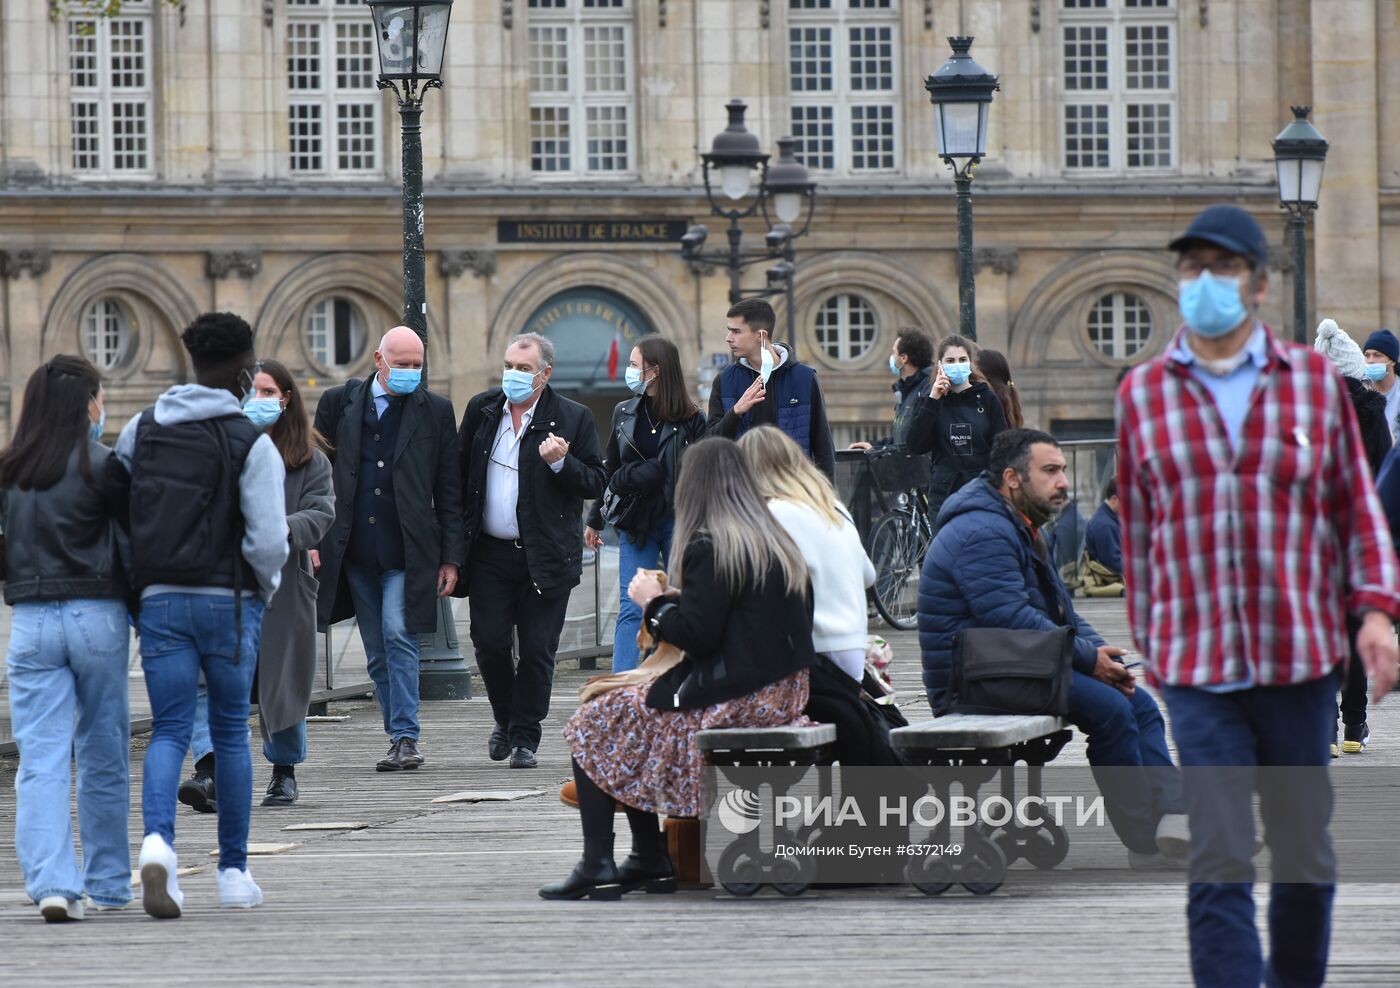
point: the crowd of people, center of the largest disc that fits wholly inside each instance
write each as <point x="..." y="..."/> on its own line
<point x="1246" y="524"/>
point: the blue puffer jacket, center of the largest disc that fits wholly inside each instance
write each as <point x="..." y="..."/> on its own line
<point x="981" y="572"/>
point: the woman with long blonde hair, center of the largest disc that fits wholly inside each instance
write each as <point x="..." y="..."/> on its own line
<point x="743" y="619"/>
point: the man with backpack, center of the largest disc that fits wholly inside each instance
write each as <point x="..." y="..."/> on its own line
<point x="208" y="541"/>
<point x="767" y="385"/>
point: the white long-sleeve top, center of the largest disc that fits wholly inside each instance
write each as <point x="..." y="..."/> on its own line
<point x="840" y="572"/>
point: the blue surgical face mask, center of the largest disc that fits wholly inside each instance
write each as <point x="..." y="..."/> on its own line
<point x="518" y="385"/>
<point x="1211" y="305"/>
<point x="957" y="374"/>
<point x="894" y="364"/>
<point x="263" y="412"/>
<point x="635" y="384"/>
<point x="1375" y="372"/>
<point x="404" y="380"/>
<point x="95" y="428"/>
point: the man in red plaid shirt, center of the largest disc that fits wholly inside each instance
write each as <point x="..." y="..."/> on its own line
<point x="1251" y="530"/>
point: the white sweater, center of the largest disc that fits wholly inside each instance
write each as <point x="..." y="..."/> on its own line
<point x="840" y="573"/>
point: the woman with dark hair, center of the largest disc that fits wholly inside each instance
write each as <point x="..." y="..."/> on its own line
<point x="994" y="367"/>
<point x="649" y="434"/>
<point x="743" y="618"/>
<point x="63" y="497"/>
<point x="957" y="422"/>
<point x="287" y="652"/>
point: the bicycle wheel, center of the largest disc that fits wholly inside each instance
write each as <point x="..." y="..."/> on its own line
<point x="895" y="551"/>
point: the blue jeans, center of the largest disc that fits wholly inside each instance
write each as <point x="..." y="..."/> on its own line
<point x="644" y="554"/>
<point x="1127" y="732"/>
<point x="183" y="634"/>
<point x="68" y="698"/>
<point x="1262" y="726"/>
<point x="286" y="747"/>
<point x="391" y="651"/>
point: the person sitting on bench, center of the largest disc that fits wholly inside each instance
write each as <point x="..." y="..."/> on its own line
<point x="1101" y="569"/>
<point x="989" y="567"/>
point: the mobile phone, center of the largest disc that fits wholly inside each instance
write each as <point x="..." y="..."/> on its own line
<point x="1133" y="664"/>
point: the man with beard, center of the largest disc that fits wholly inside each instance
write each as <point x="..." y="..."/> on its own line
<point x="990" y="567"/>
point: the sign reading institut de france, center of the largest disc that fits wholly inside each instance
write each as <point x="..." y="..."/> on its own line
<point x="599" y="231"/>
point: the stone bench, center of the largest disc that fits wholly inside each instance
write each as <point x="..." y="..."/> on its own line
<point x="983" y="747"/>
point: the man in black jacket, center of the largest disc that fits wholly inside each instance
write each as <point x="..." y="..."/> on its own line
<point x="529" y="460"/>
<point x="396" y="544"/>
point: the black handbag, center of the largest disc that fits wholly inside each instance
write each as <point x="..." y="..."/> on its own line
<point x="623" y="511"/>
<point x="1006" y="671"/>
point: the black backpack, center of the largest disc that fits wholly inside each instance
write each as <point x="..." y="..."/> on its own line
<point x="186" y="523"/>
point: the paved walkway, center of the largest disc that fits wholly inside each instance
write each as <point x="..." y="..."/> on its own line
<point x="446" y="893"/>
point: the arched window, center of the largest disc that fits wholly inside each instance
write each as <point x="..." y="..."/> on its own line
<point x="335" y="332"/>
<point x="107" y="333"/>
<point x="1120" y="325"/>
<point x="846" y="327"/>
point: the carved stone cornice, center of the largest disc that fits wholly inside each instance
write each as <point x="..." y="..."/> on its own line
<point x="35" y="260"/>
<point x="701" y="269"/>
<point x="244" y="263"/>
<point x="454" y="263"/>
<point x="1002" y="260"/>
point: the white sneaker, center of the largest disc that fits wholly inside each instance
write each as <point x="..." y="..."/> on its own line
<point x="57" y="909"/>
<point x="160" y="890"/>
<point x="237" y="890"/>
<point x="1174" y="835"/>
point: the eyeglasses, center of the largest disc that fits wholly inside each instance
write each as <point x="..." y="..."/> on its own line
<point x="1222" y="267"/>
<point x="501" y="463"/>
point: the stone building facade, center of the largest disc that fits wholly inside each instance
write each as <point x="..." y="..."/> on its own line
<point x="235" y="154"/>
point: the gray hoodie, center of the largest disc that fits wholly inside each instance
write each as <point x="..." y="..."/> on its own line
<point x="259" y="487"/>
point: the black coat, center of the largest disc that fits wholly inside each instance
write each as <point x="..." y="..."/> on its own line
<point x="427" y="493"/>
<point x="1370" y="416"/>
<point x="957" y="430"/>
<point x="623" y="466"/>
<point x="550" y="509"/>
<point x="735" y="643"/>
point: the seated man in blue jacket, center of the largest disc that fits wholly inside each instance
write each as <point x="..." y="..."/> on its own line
<point x="989" y="567"/>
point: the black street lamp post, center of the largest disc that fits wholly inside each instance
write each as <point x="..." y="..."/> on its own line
<point x="961" y="93"/>
<point x="411" y="37"/>
<point x="1299" y="153"/>
<point x="783" y="186"/>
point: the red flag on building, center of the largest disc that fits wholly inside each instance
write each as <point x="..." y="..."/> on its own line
<point x="612" y="359"/>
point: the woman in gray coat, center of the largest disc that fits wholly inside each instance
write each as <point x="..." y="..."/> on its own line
<point x="287" y="656"/>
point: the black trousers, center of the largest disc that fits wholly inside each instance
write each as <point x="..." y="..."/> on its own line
<point x="503" y="600"/>
<point x="1353" y="705"/>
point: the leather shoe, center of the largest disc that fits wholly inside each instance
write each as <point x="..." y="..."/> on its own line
<point x="403" y="755"/>
<point x="282" y="790"/>
<point x="523" y="757"/>
<point x="500" y="744"/>
<point x="568" y="795"/>
<point x="655" y="875"/>
<point x="197" y="792"/>
<point x="592" y="881"/>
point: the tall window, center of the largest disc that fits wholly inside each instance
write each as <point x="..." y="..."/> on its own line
<point x="1118" y="61"/>
<point x="333" y="118"/>
<point x="109" y="81"/>
<point x="581" y="83"/>
<point x="335" y="333"/>
<point x="1120" y="324"/>
<point x="846" y="327"/>
<point x="843" y="71"/>
<point x="106" y="332"/>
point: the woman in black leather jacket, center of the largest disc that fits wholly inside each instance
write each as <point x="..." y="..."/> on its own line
<point x="743" y="618"/>
<point x="63" y="496"/>
<point x="649" y="434"/>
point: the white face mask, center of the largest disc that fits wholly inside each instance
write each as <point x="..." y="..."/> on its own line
<point x="1223" y="367"/>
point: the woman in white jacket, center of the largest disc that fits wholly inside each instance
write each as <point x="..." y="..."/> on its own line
<point x="804" y="503"/>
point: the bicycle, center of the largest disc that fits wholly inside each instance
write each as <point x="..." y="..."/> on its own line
<point x="901" y="537"/>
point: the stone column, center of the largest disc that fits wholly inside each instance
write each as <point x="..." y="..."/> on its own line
<point x="994" y="295"/>
<point x="232" y="273"/>
<point x="468" y="318"/>
<point x="20" y="270"/>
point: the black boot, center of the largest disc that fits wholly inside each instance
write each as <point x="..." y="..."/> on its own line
<point x="595" y="876"/>
<point x="649" y="865"/>
<point x="197" y="792"/>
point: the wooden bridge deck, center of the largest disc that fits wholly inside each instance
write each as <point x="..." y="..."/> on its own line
<point x="446" y="893"/>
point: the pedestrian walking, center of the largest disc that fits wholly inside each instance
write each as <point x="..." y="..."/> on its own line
<point x="957" y="422"/>
<point x="767" y="385"/>
<point x="650" y="432"/>
<point x="209" y="538"/>
<point x="63" y="501"/>
<point x="286" y="671"/>
<point x="1252" y="529"/>
<point x="529" y="461"/>
<point x="994" y="367"/>
<point x="1382" y="351"/>
<point x="396" y="544"/>
<point x="743" y="617"/>
<point x="911" y="361"/>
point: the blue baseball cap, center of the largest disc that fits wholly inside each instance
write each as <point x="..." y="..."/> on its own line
<point x="1229" y="228"/>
